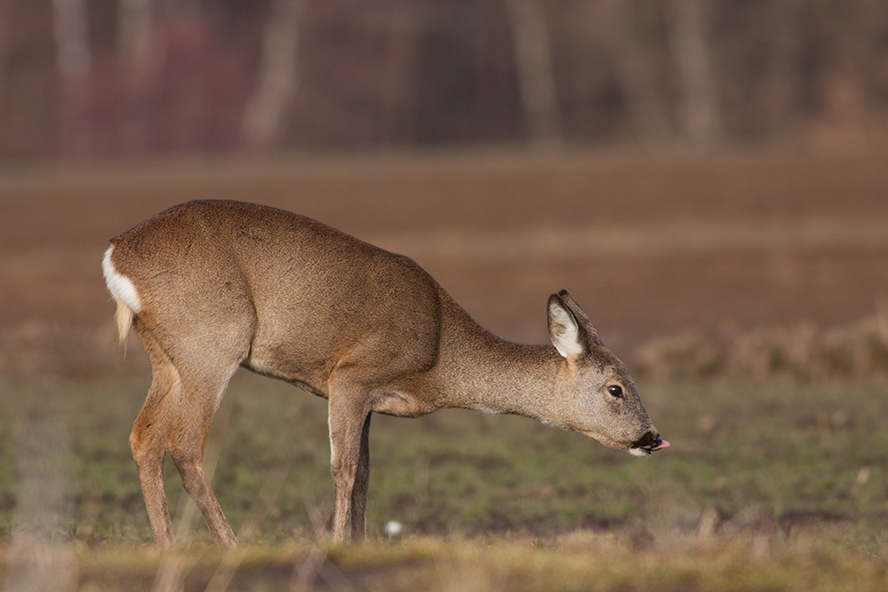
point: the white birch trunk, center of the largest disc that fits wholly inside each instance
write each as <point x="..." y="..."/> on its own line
<point x="264" y="116"/>
<point x="73" y="61"/>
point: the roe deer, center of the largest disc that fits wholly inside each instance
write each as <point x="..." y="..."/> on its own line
<point x="213" y="285"/>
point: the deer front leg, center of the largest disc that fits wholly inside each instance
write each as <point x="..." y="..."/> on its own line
<point x="349" y="421"/>
<point x="362" y="482"/>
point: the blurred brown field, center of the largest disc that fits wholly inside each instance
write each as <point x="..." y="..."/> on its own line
<point x="650" y="246"/>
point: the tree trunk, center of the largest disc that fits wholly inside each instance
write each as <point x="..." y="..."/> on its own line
<point x="698" y="111"/>
<point x="397" y="104"/>
<point x="5" y="11"/>
<point x="649" y="117"/>
<point x="784" y="65"/>
<point x="278" y="75"/>
<point x="533" y="59"/>
<point x="134" y="41"/>
<point x="73" y="61"/>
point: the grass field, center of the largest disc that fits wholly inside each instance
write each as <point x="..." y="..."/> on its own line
<point x="766" y="487"/>
<point x="748" y="293"/>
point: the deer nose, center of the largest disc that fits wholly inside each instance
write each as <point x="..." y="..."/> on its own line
<point x="650" y="442"/>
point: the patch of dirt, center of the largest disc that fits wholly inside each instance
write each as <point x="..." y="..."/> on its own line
<point x="636" y="271"/>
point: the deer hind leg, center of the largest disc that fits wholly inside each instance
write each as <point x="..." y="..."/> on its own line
<point x="200" y="396"/>
<point x="349" y="461"/>
<point x="148" y="441"/>
<point x="176" y="419"/>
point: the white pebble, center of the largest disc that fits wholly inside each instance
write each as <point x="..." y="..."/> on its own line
<point x="393" y="528"/>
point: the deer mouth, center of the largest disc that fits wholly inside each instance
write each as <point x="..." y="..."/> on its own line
<point x="648" y="443"/>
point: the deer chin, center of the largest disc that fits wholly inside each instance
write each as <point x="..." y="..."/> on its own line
<point x="609" y="442"/>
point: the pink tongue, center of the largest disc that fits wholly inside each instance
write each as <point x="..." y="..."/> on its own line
<point x="663" y="444"/>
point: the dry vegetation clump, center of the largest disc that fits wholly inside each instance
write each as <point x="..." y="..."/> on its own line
<point x="47" y="350"/>
<point x="580" y="561"/>
<point x="804" y="352"/>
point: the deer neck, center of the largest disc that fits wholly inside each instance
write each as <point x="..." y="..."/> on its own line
<point x="479" y="370"/>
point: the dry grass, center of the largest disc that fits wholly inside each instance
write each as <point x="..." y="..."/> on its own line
<point x="804" y="352"/>
<point x="804" y="561"/>
<point x="35" y="351"/>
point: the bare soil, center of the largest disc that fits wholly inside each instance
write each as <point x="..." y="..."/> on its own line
<point x="648" y="245"/>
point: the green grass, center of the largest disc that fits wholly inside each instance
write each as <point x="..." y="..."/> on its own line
<point x="766" y="487"/>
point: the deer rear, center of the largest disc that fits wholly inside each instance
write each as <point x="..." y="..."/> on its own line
<point x="214" y="285"/>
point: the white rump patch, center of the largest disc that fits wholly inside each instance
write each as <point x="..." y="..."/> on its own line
<point x="119" y="285"/>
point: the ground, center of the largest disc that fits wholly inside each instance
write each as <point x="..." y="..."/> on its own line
<point x="649" y="245"/>
<point x="775" y="481"/>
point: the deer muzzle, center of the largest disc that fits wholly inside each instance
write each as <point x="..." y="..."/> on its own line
<point x="648" y="443"/>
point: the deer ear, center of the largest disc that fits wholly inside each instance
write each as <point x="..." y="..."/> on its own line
<point x="587" y="329"/>
<point x="564" y="329"/>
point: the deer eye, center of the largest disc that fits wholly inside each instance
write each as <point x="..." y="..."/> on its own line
<point x="615" y="391"/>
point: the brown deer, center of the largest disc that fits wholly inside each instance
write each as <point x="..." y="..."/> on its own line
<point x="214" y="285"/>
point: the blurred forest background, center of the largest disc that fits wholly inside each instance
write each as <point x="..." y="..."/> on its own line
<point x="98" y="78"/>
